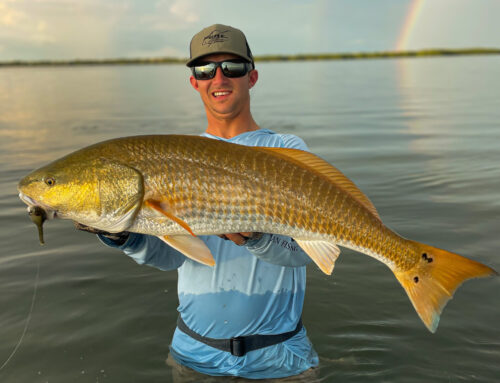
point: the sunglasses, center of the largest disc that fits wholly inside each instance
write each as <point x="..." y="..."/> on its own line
<point x="230" y="68"/>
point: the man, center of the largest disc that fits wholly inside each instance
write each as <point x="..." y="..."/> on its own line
<point x="241" y="317"/>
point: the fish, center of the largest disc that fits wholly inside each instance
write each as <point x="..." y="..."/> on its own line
<point x="178" y="187"/>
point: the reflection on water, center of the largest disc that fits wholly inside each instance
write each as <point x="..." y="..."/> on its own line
<point x="45" y="112"/>
<point x="419" y="136"/>
<point x="452" y="129"/>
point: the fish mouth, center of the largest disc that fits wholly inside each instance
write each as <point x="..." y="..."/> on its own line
<point x="50" y="213"/>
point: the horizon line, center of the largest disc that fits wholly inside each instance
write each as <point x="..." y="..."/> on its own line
<point x="262" y="58"/>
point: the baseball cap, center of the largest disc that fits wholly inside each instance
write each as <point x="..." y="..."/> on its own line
<point x="219" y="38"/>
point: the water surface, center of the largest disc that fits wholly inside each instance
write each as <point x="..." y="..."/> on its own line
<point x="419" y="136"/>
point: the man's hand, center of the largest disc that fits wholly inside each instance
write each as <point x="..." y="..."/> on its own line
<point x="118" y="238"/>
<point x="240" y="238"/>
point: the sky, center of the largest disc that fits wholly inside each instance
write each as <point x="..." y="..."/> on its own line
<point x="87" y="29"/>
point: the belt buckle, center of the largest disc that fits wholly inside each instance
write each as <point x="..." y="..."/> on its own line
<point x="237" y="346"/>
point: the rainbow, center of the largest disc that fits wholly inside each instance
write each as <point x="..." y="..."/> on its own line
<point x="414" y="11"/>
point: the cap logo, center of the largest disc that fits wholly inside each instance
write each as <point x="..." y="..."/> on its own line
<point x="215" y="37"/>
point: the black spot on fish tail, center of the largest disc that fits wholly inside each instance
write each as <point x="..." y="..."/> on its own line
<point x="427" y="258"/>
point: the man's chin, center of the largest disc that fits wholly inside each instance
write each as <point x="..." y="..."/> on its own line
<point x="223" y="111"/>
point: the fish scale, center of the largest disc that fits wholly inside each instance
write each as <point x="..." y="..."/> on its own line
<point x="231" y="213"/>
<point x="178" y="186"/>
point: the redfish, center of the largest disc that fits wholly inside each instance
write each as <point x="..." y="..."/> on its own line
<point x="179" y="187"/>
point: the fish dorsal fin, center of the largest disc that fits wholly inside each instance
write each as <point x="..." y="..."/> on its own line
<point x="321" y="167"/>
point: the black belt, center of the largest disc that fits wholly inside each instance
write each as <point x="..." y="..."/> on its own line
<point x="240" y="345"/>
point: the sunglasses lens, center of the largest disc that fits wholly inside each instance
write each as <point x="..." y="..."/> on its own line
<point x="233" y="69"/>
<point x="229" y="68"/>
<point x="204" y="72"/>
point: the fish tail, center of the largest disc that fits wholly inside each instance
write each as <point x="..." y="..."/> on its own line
<point x="434" y="279"/>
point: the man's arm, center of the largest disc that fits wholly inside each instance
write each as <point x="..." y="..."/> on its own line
<point x="148" y="250"/>
<point x="144" y="249"/>
<point x="278" y="250"/>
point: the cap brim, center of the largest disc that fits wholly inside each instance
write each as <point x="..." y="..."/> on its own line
<point x="192" y="60"/>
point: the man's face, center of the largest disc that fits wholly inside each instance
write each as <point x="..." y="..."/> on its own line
<point x="222" y="96"/>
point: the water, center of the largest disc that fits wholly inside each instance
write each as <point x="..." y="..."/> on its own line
<point x="419" y="136"/>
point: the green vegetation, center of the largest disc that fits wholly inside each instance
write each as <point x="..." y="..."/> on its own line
<point x="119" y="61"/>
<point x="298" y="57"/>
<point x="380" y="55"/>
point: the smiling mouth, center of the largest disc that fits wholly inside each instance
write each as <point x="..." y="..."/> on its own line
<point x="220" y="93"/>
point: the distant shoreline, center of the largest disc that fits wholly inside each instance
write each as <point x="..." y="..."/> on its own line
<point x="264" y="58"/>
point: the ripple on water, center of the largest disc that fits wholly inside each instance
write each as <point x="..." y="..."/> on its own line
<point x="420" y="138"/>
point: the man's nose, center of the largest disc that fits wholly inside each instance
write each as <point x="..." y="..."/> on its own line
<point x="219" y="76"/>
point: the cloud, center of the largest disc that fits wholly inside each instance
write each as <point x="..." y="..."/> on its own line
<point x="163" y="51"/>
<point x="169" y="15"/>
<point x="67" y="29"/>
<point x="469" y="24"/>
<point x="59" y="29"/>
<point x="358" y="41"/>
<point x="182" y="10"/>
<point x="19" y="26"/>
<point x="9" y="16"/>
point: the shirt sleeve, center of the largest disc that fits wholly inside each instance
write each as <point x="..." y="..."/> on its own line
<point x="293" y="142"/>
<point x="148" y="250"/>
<point x="278" y="250"/>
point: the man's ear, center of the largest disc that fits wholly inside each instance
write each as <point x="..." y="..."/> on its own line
<point x="194" y="82"/>
<point x="253" y="76"/>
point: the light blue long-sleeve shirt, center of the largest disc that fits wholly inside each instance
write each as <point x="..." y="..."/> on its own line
<point x="257" y="288"/>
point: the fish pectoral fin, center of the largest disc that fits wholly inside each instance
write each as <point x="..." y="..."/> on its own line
<point x="191" y="247"/>
<point x="323" y="253"/>
<point x="161" y="208"/>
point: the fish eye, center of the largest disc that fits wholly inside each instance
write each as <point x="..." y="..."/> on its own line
<point x="50" y="181"/>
